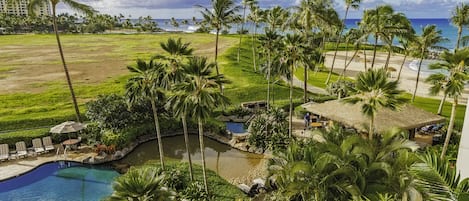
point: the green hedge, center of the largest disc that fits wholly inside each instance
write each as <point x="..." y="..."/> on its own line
<point x="24" y="135"/>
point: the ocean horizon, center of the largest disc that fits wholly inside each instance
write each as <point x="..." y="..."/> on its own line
<point x="448" y="30"/>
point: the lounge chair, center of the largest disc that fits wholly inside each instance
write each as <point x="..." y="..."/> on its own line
<point x="37" y="145"/>
<point x="4" y="152"/>
<point x="21" y="149"/>
<point x="48" y="145"/>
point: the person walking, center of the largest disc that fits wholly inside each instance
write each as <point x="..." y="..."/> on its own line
<point x="307" y="119"/>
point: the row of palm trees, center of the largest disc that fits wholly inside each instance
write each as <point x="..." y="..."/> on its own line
<point x="190" y="85"/>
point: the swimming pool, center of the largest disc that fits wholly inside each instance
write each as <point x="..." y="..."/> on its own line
<point x="235" y="127"/>
<point x="60" y="181"/>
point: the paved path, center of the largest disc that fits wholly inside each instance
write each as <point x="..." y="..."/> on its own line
<point x="313" y="89"/>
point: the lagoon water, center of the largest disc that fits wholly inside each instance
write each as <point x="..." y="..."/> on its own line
<point x="228" y="162"/>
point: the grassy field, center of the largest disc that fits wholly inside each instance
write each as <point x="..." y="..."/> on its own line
<point x="34" y="92"/>
<point x="33" y="98"/>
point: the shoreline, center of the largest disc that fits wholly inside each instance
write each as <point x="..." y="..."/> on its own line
<point x="406" y="81"/>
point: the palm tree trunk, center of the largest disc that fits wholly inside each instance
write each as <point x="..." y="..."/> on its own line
<point x="345" y="61"/>
<point x="442" y="103"/>
<point x="364" y="56"/>
<point x="158" y="133"/>
<point x="216" y="58"/>
<point x="337" y="45"/>
<point x="459" y="38"/>
<point x="402" y="65"/>
<point x="67" y="75"/>
<point x="254" y="48"/>
<point x="450" y="127"/>
<point x="371" y="131"/>
<point x="290" y="122"/>
<point x="417" y="81"/>
<point x="242" y="30"/>
<point x="186" y="140"/>
<point x="388" y="58"/>
<point x="268" y="78"/>
<point x="374" y="52"/>
<point x="202" y="152"/>
<point x="305" y="87"/>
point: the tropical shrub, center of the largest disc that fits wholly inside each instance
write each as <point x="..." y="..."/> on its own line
<point x="120" y="140"/>
<point x="195" y="192"/>
<point x="340" y="88"/>
<point x="269" y="130"/>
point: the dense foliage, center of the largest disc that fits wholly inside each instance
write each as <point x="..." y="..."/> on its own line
<point x="268" y="130"/>
<point x="149" y="182"/>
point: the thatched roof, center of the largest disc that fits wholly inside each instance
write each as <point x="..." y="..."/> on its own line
<point x="406" y="117"/>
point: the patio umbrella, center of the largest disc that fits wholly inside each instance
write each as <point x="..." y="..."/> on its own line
<point x="67" y="127"/>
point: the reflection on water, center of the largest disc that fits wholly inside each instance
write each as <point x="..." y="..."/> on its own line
<point x="226" y="161"/>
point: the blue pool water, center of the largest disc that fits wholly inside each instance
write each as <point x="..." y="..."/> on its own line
<point x="235" y="127"/>
<point x="56" y="181"/>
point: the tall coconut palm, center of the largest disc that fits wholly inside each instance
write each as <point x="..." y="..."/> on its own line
<point x="403" y="27"/>
<point x="144" y="84"/>
<point x="176" y="52"/>
<point x="374" y="91"/>
<point x="292" y="53"/>
<point x="256" y="16"/>
<point x="245" y="4"/>
<point x="221" y="14"/>
<point x="145" y="183"/>
<point x="380" y="23"/>
<point x="460" y="18"/>
<point x="452" y="83"/>
<point x="428" y="39"/>
<point x="200" y="92"/>
<point x="173" y="75"/>
<point x="33" y="5"/>
<point x="269" y="42"/>
<point x="354" y="4"/>
<point x="405" y="41"/>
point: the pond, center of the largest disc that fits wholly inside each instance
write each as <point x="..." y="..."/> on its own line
<point x="226" y="161"/>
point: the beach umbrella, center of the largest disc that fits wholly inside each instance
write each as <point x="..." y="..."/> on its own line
<point x="67" y="127"/>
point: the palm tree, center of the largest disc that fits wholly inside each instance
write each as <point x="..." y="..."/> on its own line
<point x="429" y="38"/>
<point x="140" y="184"/>
<point x="222" y="13"/>
<point x="245" y="4"/>
<point x="405" y="42"/>
<point x="33" y="5"/>
<point x="355" y="4"/>
<point x="292" y="53"/>
<point x="177" y="51"/>
<point x="381" y="22"/>
<point x="199" y="89"/>
<point x="256" y="16"/>
<point x="269" y="42"/>
<point x="373" y="90"/>
<point x="460" y="18"/>
<point x="401" y="22"/>
<point x="145" y="85"/>
<point x="452" y="84"/>
<point x="439" y="178"/>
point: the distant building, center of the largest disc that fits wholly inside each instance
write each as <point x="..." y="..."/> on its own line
<point x="21" y="8"/>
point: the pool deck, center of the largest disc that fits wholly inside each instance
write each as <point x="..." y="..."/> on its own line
<point x="15" y="167"/>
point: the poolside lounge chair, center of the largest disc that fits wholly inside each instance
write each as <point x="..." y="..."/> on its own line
<point x="48" y="145"/>
<point x="21" y="149"/>
<point x="4" y="152"/>
<point x="37" y="145"/>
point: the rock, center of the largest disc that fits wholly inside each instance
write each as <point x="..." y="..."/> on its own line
<point x="122" y="168"/>
<point x="259" y="181"/>
<point x="259" y="151"/>
<point x="252" y="149"/>
<point x="118" y="154"/>
<point x="245" y="188"/>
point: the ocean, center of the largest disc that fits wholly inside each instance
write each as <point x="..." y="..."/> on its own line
<point x="448" y="30"/>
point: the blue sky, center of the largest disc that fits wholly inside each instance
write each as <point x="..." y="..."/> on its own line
<point x="186" y="9"/>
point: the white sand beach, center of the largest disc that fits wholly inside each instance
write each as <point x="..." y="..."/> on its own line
<point x="408" y="76"/>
